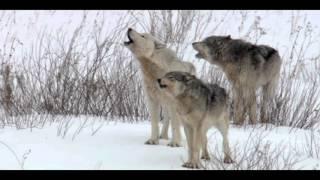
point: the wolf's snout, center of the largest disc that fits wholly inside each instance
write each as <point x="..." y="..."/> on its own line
<point x="194" y="44"/>
<point x="161" y="85"/>
<point x="127" y="43"/>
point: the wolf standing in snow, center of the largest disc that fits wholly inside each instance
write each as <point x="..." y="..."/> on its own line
<point x="247" y="67"/>
<point x="155" y="60"/>
<point x="201" y="106"/>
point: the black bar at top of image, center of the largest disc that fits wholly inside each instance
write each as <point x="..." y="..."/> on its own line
<point x="159" y="4"/>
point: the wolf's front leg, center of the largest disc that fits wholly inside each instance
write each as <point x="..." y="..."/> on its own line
<point x="188" y="132"/>
<point x="175" y="127"/>
<point x="194" y="163"/>
<point x="204" y="142"/>
<point x="154" y="109"/>
<point x="165" y="126"/>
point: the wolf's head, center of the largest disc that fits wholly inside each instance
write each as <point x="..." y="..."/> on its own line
<point x="142" y="44"/>
<point x="210" y="47"/>
<point x="175" y="83"/>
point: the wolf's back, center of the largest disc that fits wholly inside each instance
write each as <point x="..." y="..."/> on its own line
<point x="266" y="51"/>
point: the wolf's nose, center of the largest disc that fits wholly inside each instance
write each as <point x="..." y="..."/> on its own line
<point x="159" y="81"/>
<point x="194" y="43"/>
<point x="130" y="29"/>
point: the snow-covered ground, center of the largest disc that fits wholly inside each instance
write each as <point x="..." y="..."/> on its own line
<point x="96" y="143"/>
<point x="118" y="145"/>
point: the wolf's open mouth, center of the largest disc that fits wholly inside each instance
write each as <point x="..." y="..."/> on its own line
<point x="163" y="85"/>
<point x="198" y="55"/>
<point x="130" y="40"/>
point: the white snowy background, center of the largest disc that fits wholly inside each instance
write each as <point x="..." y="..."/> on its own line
<point x="110" y="142"/>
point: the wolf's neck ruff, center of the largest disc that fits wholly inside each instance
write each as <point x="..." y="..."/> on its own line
<point x="150" y="70"/>
<point x="194" y="95"/>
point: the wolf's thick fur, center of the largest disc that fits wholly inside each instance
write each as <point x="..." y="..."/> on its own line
<point x="201" y="106"/>
<point x="155" y="61"/>
<point x="247" y="67"/>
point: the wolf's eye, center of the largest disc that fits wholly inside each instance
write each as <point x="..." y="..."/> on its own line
<point x="171" y="78"/>
<point x="142" y="36"/>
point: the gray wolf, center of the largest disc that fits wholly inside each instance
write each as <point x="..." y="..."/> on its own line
<point x="201" y="106"/>
<point x="247" y="67"/>
<point x="155" y="60"/>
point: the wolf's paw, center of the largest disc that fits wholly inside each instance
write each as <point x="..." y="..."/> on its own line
<point x="152" y="142"/>
<point x="238" y="123"/>
<point x="164" y="136"/>
<point x="192" y="165"/>
<point x="205" y="157"/>
<point x="264" y="120"/>
<point x="174" y="144"/>
<point x="228" y="160"/>
<point x="252" y="122"/>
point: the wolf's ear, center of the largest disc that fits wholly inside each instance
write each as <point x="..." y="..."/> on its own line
<point x="190" y="77"/>
<point x="158" y="44"/>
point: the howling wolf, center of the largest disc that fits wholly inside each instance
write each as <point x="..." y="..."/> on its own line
<point x="201" y="106"/>
<point x="155" y="60"/>
<point x="247" y="67"/>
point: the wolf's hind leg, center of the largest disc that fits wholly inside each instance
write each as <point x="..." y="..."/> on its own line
<point x="223" y="127"/>
<point x="252" y="107"/>
<point x="268" y="91"/>
<point x="239" y="106"/>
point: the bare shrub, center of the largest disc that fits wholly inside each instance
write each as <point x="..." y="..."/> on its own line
<point x="312" y="144"/>
<point x="87" y="71"/>
<point x="6" y="98"/>
<point x="254" y="153"/>
<point x="20" y="161"/>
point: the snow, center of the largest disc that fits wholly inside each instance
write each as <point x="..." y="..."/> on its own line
<point x="119" y="146"/>
<point x="109" y="144"/>
<point x="115" y="146"/>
